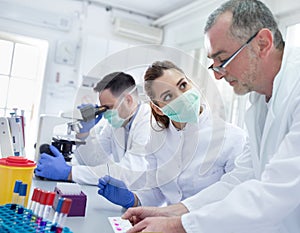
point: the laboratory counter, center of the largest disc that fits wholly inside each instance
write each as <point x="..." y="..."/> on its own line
<point x="98" y="209"/>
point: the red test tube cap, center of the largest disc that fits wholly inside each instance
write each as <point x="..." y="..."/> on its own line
<point x="43" y="197"/>
<point x="35" y="194"/>
<point x="66" y="206"/>
<point x="50" y="198"/>
<point x="38" y="195"/>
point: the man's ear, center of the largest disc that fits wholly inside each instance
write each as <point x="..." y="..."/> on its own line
<point x="265" y="41"/>
<point x="156" y="109"/>
<point x="129" y="99"/>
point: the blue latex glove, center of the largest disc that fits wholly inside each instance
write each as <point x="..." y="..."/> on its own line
<point x="53" y="167"/>
<point x="87" y="125"/>
<point x="115" y="191"/>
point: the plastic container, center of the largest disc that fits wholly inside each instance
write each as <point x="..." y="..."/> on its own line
<point x="14" y="168"/>
<point x="14" y="222"/>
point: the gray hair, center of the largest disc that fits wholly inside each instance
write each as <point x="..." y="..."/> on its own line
<point x="249" y="16"/>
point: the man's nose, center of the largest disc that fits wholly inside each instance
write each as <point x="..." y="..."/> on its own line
<point x="218" y="76"/>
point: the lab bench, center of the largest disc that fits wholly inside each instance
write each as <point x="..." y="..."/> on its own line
<point x="98" y="209"/>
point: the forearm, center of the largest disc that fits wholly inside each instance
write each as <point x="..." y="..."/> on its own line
<point x="70" y="175"/>
<point x="168" y="211"/>
<point x="136" y="201"/>
<point x="211" y="194"/>
<point x="88" y="175"/>
<point x="174" y="210"/>
<point x="82" y="136"/>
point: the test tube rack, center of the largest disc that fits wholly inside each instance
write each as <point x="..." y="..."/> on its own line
<point x="13" y="222"/>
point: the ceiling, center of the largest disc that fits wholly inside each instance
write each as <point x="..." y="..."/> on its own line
<point x="153" y="8"/>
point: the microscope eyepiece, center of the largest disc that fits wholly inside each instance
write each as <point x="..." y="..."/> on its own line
<point x="100" y="110"/>
<point x="90" y="112"/>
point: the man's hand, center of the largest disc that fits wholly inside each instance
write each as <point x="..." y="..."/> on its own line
<point x="135" y="215"/>
<point x="53" y="167"/>
<point x="159" y="224"/>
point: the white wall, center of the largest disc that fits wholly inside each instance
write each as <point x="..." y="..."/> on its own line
<point x="91" y="32"/>
<point x="187" y="32"/>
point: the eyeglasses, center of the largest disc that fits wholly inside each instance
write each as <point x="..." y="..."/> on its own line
<point x="221" y="69"/>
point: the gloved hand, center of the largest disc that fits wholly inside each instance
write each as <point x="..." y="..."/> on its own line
<point x="87" y="125"/>
<point x="53" y="167"/>
<point x="115" y="191"/>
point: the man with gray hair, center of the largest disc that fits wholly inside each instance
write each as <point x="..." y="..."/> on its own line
<point x="262" y="194"/>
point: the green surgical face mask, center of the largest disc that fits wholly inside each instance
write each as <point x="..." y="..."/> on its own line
<point x="185" y="108"/>
<point x="112" y="115"/>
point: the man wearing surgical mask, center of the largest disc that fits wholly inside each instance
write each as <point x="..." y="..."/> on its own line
<point x="189" y="148"/>
<point x="118" y="149"/>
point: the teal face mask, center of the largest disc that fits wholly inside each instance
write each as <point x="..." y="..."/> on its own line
<point x="113" y="118"/>
<point x="185" y="108"/>
<point x="112" y="115"/>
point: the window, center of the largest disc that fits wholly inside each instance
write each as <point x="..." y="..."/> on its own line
<point x="22" y="63"/>
<point x="18" y="69"/>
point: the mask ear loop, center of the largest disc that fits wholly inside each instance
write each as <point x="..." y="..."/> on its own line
<point x="156" y="106"/>
<point x="129" y="93"/>
<point x="194" y="85"/>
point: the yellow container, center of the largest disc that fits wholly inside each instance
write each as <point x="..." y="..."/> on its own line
<point x="14" y="168"/>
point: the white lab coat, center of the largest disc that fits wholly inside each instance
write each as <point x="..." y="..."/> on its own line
<point x="268" y="201"/>
<point x="183" y="162"/>
<point x="108" y="147"/>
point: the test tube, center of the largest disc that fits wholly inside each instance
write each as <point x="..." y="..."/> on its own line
<point x="22" y="194"/>
<point x="47" y="207"/>
<point x="43" y="200"/>
<point x="34" y="199"/>
<point x="37" y="200"/>
<point x="15" y="195"/>
<point x="49" y="203"/>
<point x="21" y="199"/>
<point x="65" y="209"/>
<point x="57" y="210"/>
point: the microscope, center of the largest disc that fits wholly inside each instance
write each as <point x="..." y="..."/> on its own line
<point x="64" y="141"/>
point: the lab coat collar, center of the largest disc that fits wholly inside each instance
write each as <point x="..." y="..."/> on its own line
<point x="128" y="125"/>
<point x="284" y="84"/>
<point x="285" y="81"/>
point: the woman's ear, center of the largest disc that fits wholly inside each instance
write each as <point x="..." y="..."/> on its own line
<point x="156" y="109"/>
